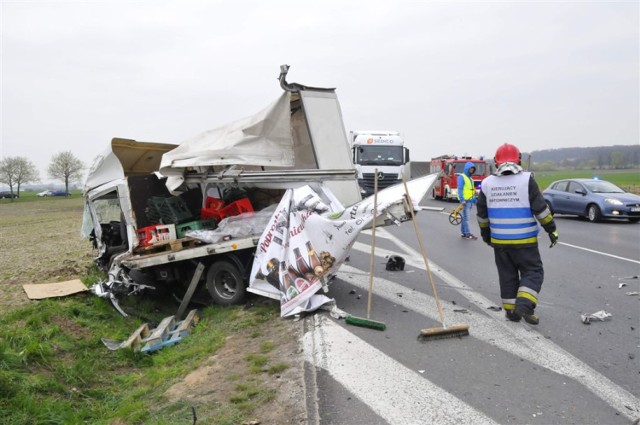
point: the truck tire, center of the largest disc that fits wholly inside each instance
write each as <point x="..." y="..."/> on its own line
<point x="225" y="283"/>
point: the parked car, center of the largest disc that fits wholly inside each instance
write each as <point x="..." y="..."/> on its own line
<point x="8" y="195"/>
<point x="593" y="199"/>
<point x="45" y="194"/>
<point x="60" y="193"/>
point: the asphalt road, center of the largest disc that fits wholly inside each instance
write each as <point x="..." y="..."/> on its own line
<point x="559" y="372"/>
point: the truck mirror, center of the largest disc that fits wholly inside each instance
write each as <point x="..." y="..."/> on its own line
<point x="406" y="155"/>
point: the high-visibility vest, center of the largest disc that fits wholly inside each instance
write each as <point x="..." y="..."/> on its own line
<point x="469" y="190"/>
<point x="511" y="221"/>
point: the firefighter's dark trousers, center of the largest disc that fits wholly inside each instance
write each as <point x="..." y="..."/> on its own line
<point x="520" y="273"/>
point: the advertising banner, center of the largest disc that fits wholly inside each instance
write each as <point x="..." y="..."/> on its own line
<point x="308" y="238"/>
<point x="303" y="244"/>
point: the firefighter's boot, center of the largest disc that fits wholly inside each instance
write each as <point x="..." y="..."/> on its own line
<point x="512" y="316"/>
<point x="527" y="314"/>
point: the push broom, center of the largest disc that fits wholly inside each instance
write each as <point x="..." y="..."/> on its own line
<point x="359" y="321"/>
<point x="444" y="331"/>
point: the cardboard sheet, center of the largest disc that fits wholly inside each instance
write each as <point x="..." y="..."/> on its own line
<point x="41" y="291"/>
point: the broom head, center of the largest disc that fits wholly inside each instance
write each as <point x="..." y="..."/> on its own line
<point x="441" y="333"/>
<point x="365" y="323"/>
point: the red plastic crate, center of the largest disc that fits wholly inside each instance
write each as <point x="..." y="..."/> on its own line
<point x="238" y="207"/>
<point x="235" y="208"/>
<point x="212" y="203"/>
<point x="156" y="233"/>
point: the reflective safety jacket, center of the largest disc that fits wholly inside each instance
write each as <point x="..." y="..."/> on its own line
<point x="508" y="207"/>
<point x="466" y="186"/>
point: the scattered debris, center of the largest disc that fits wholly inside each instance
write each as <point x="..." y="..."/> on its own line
<point x="460" y="310"/>
<point x="421" y="371"/>
<point x="334" y="311"/>
<point x="395" y="263"/>
<point x="633" y="293"/>
<point x="41" y="291"/>
<point x="351" y="292"/>
<point x="629" y="277"/>
<point x="168" y="332"/>
<point x="620" y="285"/>
<point x="494" y="308"/>
<point x="599" y="315"/>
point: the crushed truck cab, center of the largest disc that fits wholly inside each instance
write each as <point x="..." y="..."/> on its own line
<point x="143" y="199"/>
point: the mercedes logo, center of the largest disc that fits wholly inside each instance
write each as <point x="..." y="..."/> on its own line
<point x="380" y="175"/>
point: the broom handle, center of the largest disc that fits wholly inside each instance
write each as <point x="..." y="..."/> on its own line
<point x="373" y="239"/>
<point x="424" y="255"/>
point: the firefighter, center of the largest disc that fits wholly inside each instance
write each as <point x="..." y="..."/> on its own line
<point x="509" y="204"/>
<point x="467" y="196"/>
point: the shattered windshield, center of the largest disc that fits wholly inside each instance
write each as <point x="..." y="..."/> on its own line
<point x="380" y="155"/>
<point x="601" y="186"/>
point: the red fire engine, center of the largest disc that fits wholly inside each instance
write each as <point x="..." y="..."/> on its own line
<point x="450" y="167"/>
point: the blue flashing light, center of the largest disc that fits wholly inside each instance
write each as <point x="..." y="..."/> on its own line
<point x="596" y="177"/>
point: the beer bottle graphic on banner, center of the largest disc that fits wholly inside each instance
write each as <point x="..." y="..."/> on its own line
<point x="291" y="291"/>
<point x="314" y="260"/>
<point x="287" y="281"/>
<point x="303" y="267"/>
<point x="293" y="274"/>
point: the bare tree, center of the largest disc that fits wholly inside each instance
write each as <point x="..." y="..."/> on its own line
<point x="16" y="171"/>
<point x="66" y="167"/>
<point x="27" y="172"/>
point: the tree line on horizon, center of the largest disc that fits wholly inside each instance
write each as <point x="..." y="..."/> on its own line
<point x="599" y="157"/>
<point x="18" y="171"/>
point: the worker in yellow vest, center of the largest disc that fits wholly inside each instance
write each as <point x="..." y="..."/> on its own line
<point x="467" y="197"/>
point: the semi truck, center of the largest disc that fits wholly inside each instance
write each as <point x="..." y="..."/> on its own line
<point x="383" y="151"/>
<point x="449" y="167"/>
<point x="143" y="198"/>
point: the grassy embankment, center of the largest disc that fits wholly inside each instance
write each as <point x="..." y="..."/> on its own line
<point x="53" y="365"/>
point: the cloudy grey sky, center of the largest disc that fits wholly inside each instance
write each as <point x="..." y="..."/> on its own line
<point x="453" y="77"/>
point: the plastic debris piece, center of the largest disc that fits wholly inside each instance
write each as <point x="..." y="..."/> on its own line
<point x="633" y="293"/>
<point x="620" y="285"/>
<point x="494" y="308"/>
<point x="460" y="310"/>
<point x="336" y="313"/>
<point x="421" y="371"/>
<point x="630" y="277"/>
<point x="599" y="315"/>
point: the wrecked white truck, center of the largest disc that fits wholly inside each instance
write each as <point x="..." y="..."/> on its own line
<point x="235" y="208"/>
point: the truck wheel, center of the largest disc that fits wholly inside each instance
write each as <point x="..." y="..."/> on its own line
<point x="225" y="284"/>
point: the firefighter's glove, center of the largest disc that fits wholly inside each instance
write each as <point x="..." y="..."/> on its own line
<point x="553" y="236"/>
<point x="485" y="233"/>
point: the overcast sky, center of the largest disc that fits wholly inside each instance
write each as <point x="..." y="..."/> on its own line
<point x="453" y="77"/>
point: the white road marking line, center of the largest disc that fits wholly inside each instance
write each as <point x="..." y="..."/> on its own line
<point x="599" y="252"/>
<point x="517" y="340"/>
<point x="394" y="392"/>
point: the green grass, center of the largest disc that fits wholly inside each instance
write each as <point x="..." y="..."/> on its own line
<point x="626" y="179"/>
<point x="55" y="369"/>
